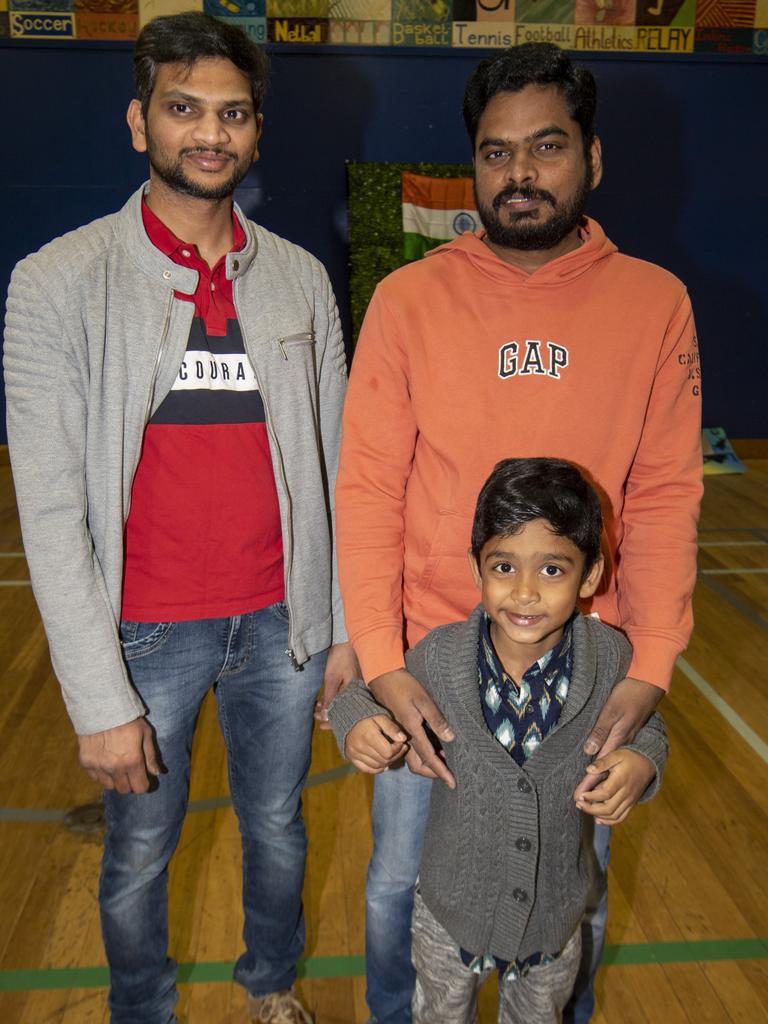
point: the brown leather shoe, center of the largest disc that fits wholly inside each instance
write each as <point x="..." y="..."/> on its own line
<point x="278" y="1008"/>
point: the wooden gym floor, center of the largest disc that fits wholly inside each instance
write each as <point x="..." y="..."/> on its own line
<point x="688" y="929"/>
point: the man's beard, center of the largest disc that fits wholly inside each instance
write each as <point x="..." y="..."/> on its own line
<point x="524" y="231"/>
<point x="173" y="175"/>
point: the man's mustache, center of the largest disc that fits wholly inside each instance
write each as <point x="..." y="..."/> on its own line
<point x="526" y="192"/>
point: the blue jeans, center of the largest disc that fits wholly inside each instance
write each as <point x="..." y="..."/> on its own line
<point x="265" y="714"/>
<point x="581" y="1005"/>
<point x="400" y="806"/>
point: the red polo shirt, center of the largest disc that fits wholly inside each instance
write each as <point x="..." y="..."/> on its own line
<point x="203" y="537"/>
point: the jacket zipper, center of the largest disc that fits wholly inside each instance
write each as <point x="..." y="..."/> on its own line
<point x="151" y="393"/>
<point x="161" y="349"/>
<point x="306" y="337"/>
<point x="290" y="653"/>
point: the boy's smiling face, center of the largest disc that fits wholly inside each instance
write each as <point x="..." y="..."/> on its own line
<point x="530" y="582"/>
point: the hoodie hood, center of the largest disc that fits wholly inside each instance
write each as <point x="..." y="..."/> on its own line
<point x="594" y="248"/>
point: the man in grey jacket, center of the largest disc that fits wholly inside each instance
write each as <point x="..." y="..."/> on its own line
<point x="174" y="378"/>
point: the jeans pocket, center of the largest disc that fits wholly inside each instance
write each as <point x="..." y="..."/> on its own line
<point x="141" y="638"/>
<point x="280" y="610"/>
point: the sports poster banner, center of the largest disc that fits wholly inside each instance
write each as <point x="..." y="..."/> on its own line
<point x="735" y="27"/>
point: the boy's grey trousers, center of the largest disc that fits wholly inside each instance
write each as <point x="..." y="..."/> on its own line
<point x="446" y="990"/>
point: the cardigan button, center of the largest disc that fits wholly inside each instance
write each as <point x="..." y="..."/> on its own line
<point x="235" y="265"/>
<point x="519" y="895"/>
<point x="523" y="843"/>
<point x="524" y="785"/>
<point x="167" y="275"/>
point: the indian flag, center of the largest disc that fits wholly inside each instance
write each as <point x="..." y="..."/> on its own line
<point x="435" y="210"/>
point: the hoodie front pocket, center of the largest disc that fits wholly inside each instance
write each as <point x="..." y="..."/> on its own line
<point x="449" y="542"/>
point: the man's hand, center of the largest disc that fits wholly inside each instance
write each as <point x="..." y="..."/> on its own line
<point x="122" y="758"/>
<point x="628" y="708"/>
<point x="340" y="669"/>
<point x="411" y="706"/>
<point x="622" y="777"/>
<point x="374" y="743"/>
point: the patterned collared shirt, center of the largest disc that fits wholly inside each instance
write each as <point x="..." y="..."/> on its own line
<point x="520" y="716"/>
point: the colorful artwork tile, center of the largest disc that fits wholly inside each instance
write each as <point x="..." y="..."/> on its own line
<point x="665" y="39"/>
<point x="484" y="10"/>
<point x="254" y="28"/>
<point x="421" y="23"/>
<point x="101" y="25"/>
<point x="600" y="38"/>
<point x="484" y="34"/>
<point x="236" y="9"/>
<point x="39" y="6"/>
<point x="421" y="33"/>
<point x="356" y="32"/>
<point x="107" y="7"/>
<point x="545" y="12"/>
<point x="665" y="12"/>
<point x="605" y="12"/>
<point x="721" y="13"/>
<point x="149" y="9"/>
<point x="41" y="24"/>
<point x="297" y="30"/>
<point x="663" y="27"/>
<point x="733" y="41"/>
<point x="417" y="12"/>
<point x="360" y="10"/>
<point x="107" y="19"/>
<point x="312" y="9"/>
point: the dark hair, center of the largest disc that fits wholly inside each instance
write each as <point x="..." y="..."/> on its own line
<point x="520" y="490"/>
<point x="532" y="64"/>
<point x="190" y="37"/>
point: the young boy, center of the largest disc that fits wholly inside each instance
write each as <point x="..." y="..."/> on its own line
<point x="504" y="876"/>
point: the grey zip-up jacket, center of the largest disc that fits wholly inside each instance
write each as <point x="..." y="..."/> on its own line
<point x="504" y="869"/>
<point x="93" y="343"/>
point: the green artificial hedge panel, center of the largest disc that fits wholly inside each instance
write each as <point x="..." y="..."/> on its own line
<point x="376" y="224"/>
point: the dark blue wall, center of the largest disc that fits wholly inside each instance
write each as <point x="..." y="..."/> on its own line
<point x="684" y="140"/>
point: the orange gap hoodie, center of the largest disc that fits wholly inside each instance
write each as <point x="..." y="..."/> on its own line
<point x="464" y="360"/>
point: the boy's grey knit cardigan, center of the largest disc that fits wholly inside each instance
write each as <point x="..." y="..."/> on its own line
<point x="503" y="869"/>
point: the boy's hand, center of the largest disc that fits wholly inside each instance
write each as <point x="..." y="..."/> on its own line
<point x="629" y="706"/>
<point x="410" y="704"/>
<point x="374" y="743"/>
<point x="628" y="776"/>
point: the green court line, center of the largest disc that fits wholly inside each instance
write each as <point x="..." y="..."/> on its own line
<point x="354" y="966"/>
<point x="686" y="952"/>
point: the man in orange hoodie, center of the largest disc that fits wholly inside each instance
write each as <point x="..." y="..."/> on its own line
<point x="532" y="337"/>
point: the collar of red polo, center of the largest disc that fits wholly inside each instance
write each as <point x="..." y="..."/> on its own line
<point x="164" y="239"/>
